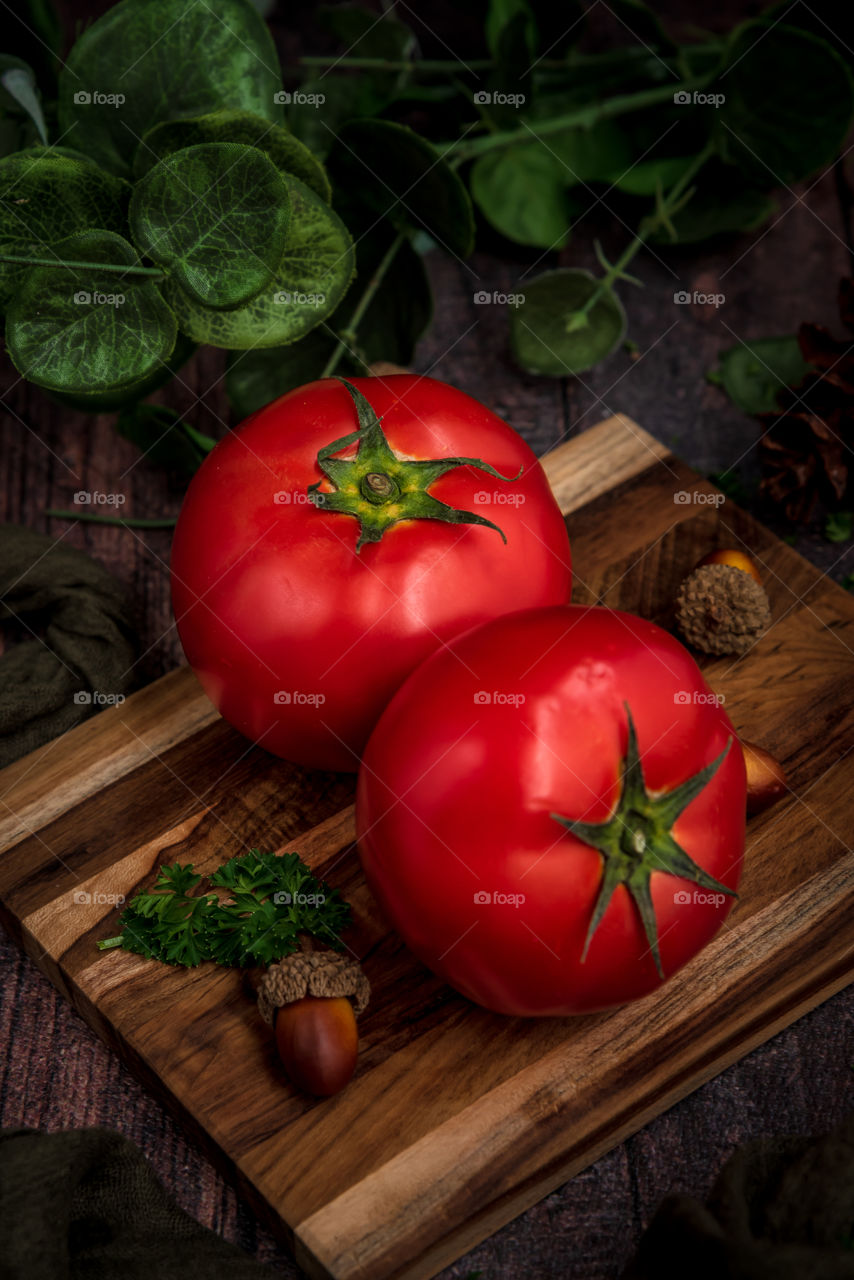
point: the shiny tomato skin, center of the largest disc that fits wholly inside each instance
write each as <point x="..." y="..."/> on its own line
<point x="518" y="719"/>
<point x="299" y="641"/>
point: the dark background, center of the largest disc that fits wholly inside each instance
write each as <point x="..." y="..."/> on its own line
<point x="54" y="1072"/>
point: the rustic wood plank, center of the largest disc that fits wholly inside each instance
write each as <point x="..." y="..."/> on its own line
<point x="457" y="1118"/>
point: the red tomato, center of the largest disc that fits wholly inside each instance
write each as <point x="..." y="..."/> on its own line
<point x="298" y="638"/>
<point x="486" y="754"/>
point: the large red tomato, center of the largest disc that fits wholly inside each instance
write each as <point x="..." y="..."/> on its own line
<point x="321" y="554"/>
<point x="551" y="810"/>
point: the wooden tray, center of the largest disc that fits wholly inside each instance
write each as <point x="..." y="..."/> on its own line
<point x="457" y="1119"/>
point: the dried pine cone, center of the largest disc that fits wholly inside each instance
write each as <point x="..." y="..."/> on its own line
<point x="721" y="609"/>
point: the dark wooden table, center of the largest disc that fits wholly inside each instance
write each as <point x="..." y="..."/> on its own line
<point x="54" y="1072"/>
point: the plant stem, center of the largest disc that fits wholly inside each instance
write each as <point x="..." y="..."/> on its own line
<point x="131" y="523"/>
<point x="438" y="65"/>
<point x="106" y="943"/>
<point x="650" y="224"/>
<point x="91" y="266"/>
<point x="364" y="302"/>
<point x="583" y="117"/>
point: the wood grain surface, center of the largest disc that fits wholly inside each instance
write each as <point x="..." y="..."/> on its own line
<point x="457" y="1118"/>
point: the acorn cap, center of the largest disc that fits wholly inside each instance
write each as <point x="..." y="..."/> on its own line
<point x="721" y="609"/>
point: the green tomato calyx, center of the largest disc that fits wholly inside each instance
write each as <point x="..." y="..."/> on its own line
<point x="637" y="840"/>
<point x="379" y="488"/>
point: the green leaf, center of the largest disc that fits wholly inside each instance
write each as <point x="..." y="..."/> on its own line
<point x="719" y="206"/>
<point x="839" y="526"/>
<point x="122" y="397"/>
<point x="789" y="102"/>
<point x="146" y="61"/>
<point x="77" y="330"/>
<point x="504" y="13"/>
<point x="288" y="154"/>
<point x="310" y="280"/>
<point x="215" y="216"/>
<point x="164" y="438"/>
<point x="255" y="378"/>
<point x="402" y="177"/>
<point x="647" y="176"/>
<point x="754" y="373"/>
<point x="545" y="333"/>
<point x="521" y="192"/>
<point x="19" y="85"/>
<point x="639" y="22"/>
<point x="44" y="197"/>
<point x="600" y="153"/>
<point x="336" y="98"/>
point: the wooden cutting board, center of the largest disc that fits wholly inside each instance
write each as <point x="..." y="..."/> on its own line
<point x="457" y="1119"/>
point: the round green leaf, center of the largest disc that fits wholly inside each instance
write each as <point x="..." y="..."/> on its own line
<point x="789" y="101"/>
<point x="545" y="333"/>
<point x="754" y="373"/>
<point x="402" y="176"/>
<point x="215" y="217"/>
<point x="146" y="61"/>
<point x="46" y="196"/>
<point x="287" y="152"/>
<point x="310" y="280"/>
<point x="83" y="331"/>
<point x="521" y="191"/>
<point x="121" y="396"/>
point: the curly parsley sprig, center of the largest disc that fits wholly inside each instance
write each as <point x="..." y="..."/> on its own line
<point x="270" y="899"/>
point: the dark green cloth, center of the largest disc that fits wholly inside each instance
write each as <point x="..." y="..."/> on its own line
<point x="781" y="1209"/>
<point x="89" y="642"/>
<point x="84" y="1204"/>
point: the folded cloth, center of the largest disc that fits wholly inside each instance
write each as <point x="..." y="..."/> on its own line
<point x="781" y="1209"/>
<point x="84" y="1204"/>
<point x="89" y="642"/>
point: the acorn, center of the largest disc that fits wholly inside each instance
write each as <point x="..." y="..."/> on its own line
<point x="722" y="609"/>
<point x="766" y="780"/>
<point x="732" y="555"/>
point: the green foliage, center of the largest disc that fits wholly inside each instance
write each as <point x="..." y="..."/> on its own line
<point x="839" y="526"/>
<point x="269" y="900"/>
<point x="754" y="373"/>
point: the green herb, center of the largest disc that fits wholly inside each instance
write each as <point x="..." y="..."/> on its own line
<point x="754" y="373"/>
<point x="839" y="526"/>
<point x="269" y="900"/>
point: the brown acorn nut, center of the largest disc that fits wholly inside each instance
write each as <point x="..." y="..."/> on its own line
<point x="766" y="781"/>
<point x="732" y="556"/>
<point x="722" y="609"/>
<point x="318" y="1043"/>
